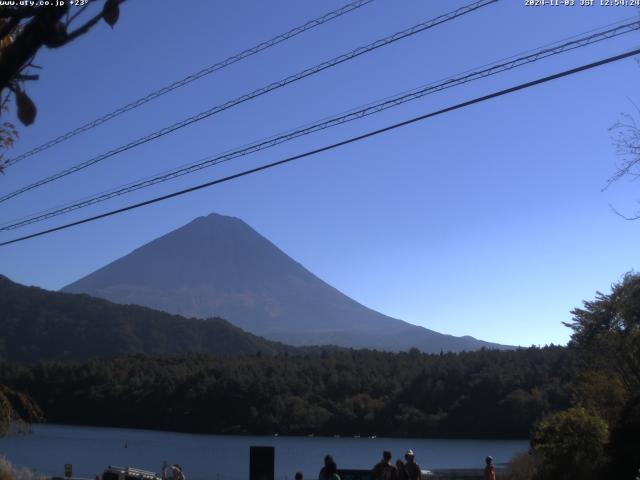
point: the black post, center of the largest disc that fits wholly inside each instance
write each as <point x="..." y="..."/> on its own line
<point x="261" y="463"/>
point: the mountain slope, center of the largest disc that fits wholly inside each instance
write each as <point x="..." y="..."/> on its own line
<point x="37" y="324"/>
<point x="219" y="266"/>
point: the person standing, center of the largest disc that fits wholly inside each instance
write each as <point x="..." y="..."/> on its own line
<point x="178" y="474"/>
<point x="402" y="473"/>
<point x="384" y="469"/>
<point x="323" y="475"/>
<point x="489" y="469"/>
<point x="411" y="467"/>
<point x="331" y="471"/>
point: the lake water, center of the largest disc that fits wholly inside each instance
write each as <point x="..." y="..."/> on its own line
<point x="220" y="457"/>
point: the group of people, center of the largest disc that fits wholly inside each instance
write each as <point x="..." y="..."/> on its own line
<point x="407" y="470"/>
<point x="386" y="470"/>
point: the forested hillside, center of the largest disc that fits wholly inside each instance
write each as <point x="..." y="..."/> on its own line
<point x="477" y="394"/>
<point x="37" y="324"/>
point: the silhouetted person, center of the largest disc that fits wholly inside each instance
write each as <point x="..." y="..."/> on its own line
<point x="402" y="473"/>
<point x="299" y="476"/>
<point x="384" y="470"/>
<point x="411" y="468"/>
<point x="323" y="471"/>
<point x="331" y="470"/>
<point x="489" y="469"/>
<point x="178" y="474"/>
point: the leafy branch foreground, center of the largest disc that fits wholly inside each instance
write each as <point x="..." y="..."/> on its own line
<point x="597" y="437"/>
<point x="8" y="471"/>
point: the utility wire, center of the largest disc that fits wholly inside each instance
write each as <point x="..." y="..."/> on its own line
<point x="327" y="17"/>
<point x="261" y="91"/>
<point x="348" y="141"/>
<point x="370" y="109"/>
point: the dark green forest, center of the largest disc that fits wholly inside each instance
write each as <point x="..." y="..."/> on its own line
<point x="37" y="324"/>
<point x="481" y="394"/>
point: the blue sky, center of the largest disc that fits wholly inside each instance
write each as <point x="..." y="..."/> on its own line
<point x="490" y="221"/>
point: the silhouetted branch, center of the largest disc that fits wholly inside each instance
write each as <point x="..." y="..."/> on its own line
<point x="8" y="27"/>
<point x="24" y="30"/>
<point x="635" y="216"/>
<point x="83" y="29"/>
<point x="77" y="13"/>
<point x="39" y="31"/>
<point x="19" y="13"/>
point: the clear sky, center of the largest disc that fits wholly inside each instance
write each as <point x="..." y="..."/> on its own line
<point x="489" y="221"/>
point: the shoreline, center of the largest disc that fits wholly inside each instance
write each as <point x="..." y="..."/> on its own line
<point x="92" y="449"/>
<point x="278" y="435"/>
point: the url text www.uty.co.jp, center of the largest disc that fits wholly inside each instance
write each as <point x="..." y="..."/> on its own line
<point x="42" y="3"/>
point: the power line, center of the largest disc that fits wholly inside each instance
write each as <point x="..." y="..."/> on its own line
<point x="404" y="123"/>
<point x="261" y="91"/>
<point x="370" y="109"/>
<point x="327" y="17"/>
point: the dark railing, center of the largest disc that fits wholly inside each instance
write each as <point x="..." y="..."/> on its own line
<point x="441" y="474"/>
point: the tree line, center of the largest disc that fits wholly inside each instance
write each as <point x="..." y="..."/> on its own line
<point x="597" y="436"/>
<point x="484" y="394"/>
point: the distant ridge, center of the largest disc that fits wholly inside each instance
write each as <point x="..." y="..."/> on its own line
<point x="38" y="325"/>
<point x="220" y="266"/>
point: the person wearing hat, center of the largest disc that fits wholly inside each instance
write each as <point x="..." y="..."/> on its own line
<point x="489" y="469"/>
<point x="411" y="467"/>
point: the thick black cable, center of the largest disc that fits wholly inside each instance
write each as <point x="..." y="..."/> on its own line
<point x="256" y="93"/>
<point x="327" y="17"/>
<point x="404" y="123"/>
<point x="371" y="109"/>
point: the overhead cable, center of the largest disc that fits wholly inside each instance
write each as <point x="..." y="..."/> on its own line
<point x="348" y="141"/>
<point x="421" y="27"/>
<point x="327" y="17"/>
<point x="370" y="109"/>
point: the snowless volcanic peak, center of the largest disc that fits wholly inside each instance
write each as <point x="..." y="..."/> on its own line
<point x="218" y="266"/>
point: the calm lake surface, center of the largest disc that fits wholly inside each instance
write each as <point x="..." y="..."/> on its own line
<point x="212" y="457"/>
